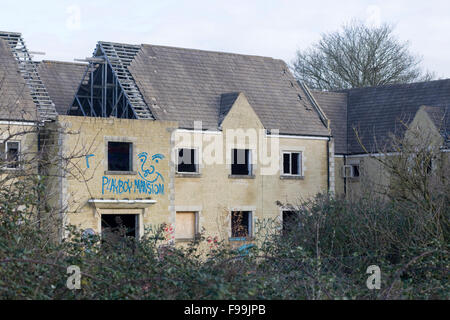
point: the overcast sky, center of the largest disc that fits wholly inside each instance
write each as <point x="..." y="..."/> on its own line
<point x="65" y="30"/>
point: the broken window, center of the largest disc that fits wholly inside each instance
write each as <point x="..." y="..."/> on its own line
<point x="187" y="160"/>
<point x="185" y="225"/>
<point x="289" y="221"/>
<point x="241" y="224"/>
<point x="120" y="156"/>
<point x="241" y="162"/>
<point x="119" y="226"/>
<point x="10" y="154"/>
<point x="292" y="163"/>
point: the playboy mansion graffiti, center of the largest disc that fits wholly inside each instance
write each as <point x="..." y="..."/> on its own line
<point x="150" y="181"/>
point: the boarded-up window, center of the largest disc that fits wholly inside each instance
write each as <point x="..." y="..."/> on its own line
<point x="185" y="225"/>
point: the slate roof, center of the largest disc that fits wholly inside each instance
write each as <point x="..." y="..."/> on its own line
<point x="441" y="119"/>
<point x="226" y="102"/>
<point x="16" y="102"/>
<point x="376" y="112"/>
<point x="61" y="80"/>
<point x="187" y="85"/>
<point x="334" y="105"/>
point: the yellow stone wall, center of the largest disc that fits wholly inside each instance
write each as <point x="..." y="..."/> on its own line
<point x="213" y="193"/>
<point x="373" y="175"/>
<point x="338" y="179"/>
<point x="25" y="133"/>
<point x="81" y="136"/>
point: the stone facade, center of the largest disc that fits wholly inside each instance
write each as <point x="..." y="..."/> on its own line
<point x="212" y="193"/>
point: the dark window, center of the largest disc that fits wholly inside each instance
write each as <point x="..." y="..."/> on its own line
<point x="289" y="220"/>
<point x="116" y="226"/>
<point x="187" y="160"/>
<point x="292" y="163"/>
<point x="286" y="163"/>
<point x="241" y="224"/>
<point x="295" y="157"/>
<point x="356" y="170"/>
<point x="241" y="162"/>
<point x="12" y="154"/>
<point x="120" y="156"/>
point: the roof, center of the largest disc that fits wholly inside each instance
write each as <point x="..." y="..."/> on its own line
<point x="16" y="102"/>
<point x="441" y="119"/>
<point x="226" y="102"/>
<point x="45" y="108"/>
<point x="334" y="105"/>
<point x="187" y="85"/>
<point x="61" y="80"/>
<point x="377" y="112"/>
<point x="120" y="56"/>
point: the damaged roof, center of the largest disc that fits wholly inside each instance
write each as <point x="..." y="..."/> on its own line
<point x="377" y="112"/>
<point x="62" y="80"/>
<point x="16" y="102"/>
<point x="188" y="85"/>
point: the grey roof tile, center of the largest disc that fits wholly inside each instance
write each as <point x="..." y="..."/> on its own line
<point x="377" y="112"/>
<point x="188" y="85"/>
<point x="16" y="102"/>
<point x="334" y="105"/>
<point x="61" y="80"/>
<point x="380" y="111"/>
<point x="441" y="119"/>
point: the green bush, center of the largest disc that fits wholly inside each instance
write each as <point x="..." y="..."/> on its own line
<point x="324" y="255"/>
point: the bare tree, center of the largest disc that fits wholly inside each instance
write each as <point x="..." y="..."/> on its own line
<point x="358" y="56"/>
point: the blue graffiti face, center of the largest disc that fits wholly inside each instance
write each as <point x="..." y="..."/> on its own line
<point x="147" y="170"/>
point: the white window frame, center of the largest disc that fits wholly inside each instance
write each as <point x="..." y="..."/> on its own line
<point x="351" y="172"/>
<point x="250" y="224"/>
<point x="6" y="154"/>
<point x="300" y="160"/>
<point x="196" y="160"/>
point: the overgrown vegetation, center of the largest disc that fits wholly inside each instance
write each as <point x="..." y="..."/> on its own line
<point x="324" y="255"/>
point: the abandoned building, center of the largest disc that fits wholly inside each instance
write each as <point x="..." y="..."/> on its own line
<point x="373" y="114"/>
<point x="199" y="140"/>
